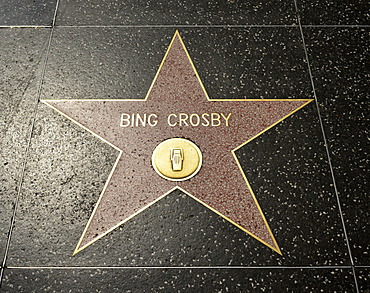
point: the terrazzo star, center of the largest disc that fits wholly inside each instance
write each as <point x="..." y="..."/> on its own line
<point x="198" y="160"/>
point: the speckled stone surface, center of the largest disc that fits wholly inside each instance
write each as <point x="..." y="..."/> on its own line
<point x="297" y="226"/>
<point x="21" y="58"/>
<point x="341" y="74"/>
<point x="220" y="12"/>
<point x="177" y="231"/>
<point x="174" y="280"/>
<point x="289" y="171"/>
<point x="115" y="54"/>
<point x="334" y="12"/>
<point x="107" y="63"/>
<point x="250" y="63"/>
<point x="363" y="277"/>
<point x="27" y="12"/>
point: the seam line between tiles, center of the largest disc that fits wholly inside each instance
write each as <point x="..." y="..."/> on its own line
<point x="192" y="26"/>
<point x="155" y="26"/>
<point x="326" y="146"/>
<point x="175" y="267"/>
<point x="24" y="164"/>
<point x="215" y="26"/>
<point x="179" y="26"/>
<point x="55" y="14"/>
<point x="336" y="25"/>
<point x="25" y="26"/>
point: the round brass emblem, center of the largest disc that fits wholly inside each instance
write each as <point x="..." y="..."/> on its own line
<point x="177" y="159"/>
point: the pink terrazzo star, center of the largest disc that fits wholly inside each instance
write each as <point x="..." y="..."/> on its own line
<point x="133" y="184"/>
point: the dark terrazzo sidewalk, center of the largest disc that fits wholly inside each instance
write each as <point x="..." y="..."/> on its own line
<point x="309" y="172"/>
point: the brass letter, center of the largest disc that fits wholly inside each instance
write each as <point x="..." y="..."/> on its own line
<point x="226" y="118"/>
<point x="125" y="120"/>
<point x="191" y="119"/>
<point x="142" y="120"/>
<point x="169" y="120"/>
<point x="154" y="122"/>
<point x="183" y="119"/>
<point x="206" y="121"/>
<point x="215" y="117"/>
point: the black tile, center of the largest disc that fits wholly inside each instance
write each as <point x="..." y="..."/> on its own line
<point x="334" y="12"/>
<point x="122" y="62"/>
<point x="175" y="280"/>
<point x="21" y="56"/>
<point x="175" y="12"/>
<point x="27" y="12"/>
<point x="250" y="63"/>
<point x="68" y="168"/>
<point x="289" y="171"/>
<point x="363" y="279"/>
<point x="339" y="59"/>
<point x="104" y="62"/>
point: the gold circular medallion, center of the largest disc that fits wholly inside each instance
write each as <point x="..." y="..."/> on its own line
<point x="177" y="159"/>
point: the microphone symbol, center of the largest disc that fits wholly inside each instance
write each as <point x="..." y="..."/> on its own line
<point x="176" y="159"/>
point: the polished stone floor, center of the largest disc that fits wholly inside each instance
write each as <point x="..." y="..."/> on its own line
<point x="309" y="173"/>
